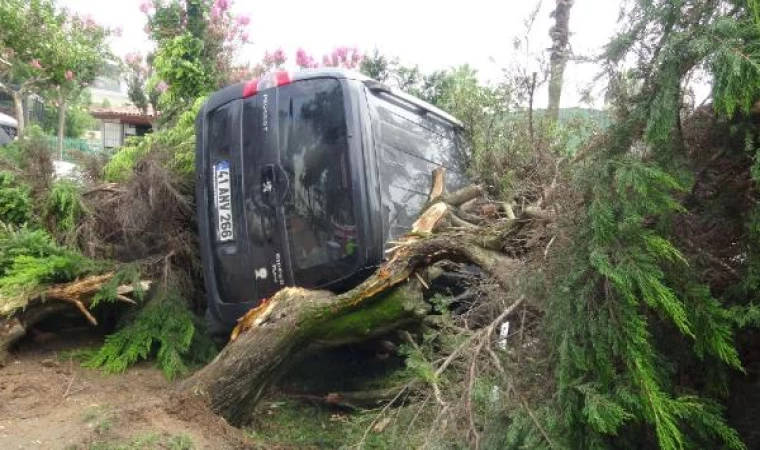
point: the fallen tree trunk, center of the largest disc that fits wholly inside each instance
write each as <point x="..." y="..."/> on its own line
<point x="296" y="320"/>
<point x="58" y="298"/>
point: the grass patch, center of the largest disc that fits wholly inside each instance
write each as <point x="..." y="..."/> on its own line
<point x="302" y="425"/>
<point x="150" y="441"/>
<point x="99" y="418"/>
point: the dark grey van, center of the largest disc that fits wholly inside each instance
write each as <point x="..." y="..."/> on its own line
<point x="302" y="178"/>
<point x="8" y="129"/>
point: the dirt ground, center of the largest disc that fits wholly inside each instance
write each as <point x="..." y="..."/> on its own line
<point x="48" y="401"/>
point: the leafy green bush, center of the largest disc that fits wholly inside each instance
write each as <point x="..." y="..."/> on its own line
<point x="64" y="207"/>
<point x="175" y="144"/>
<point x="120" y="167"/>
<point x="15" y="201"/>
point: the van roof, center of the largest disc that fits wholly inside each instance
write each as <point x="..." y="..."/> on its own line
<point x="376" y="86"/>
<point x="8" y="121"/>
<point x="234" y="91"/>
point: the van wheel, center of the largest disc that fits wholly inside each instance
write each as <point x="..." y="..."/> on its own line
<point x="216" y="329"/>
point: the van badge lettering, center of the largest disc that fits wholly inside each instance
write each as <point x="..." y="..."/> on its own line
<point x="266" y="187"/>
<point x="265" y="112"/>
<point x="261" y="274"/>
<point x="277" y="270"/>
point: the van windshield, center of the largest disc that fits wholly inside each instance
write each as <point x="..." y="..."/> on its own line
<point x="314" y="152"/>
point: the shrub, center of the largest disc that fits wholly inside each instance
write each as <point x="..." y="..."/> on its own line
<point x="15" y="201"/>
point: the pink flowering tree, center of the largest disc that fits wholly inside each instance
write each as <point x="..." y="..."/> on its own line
<point x="47" y="50"/>
<point x="345" y="57"/>
<point x="137" y="71"/>
<point x="196" y="43"/>
<point x="81" y="53"/>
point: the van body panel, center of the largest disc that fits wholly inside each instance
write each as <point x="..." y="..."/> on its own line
<point x="303" y="183"/>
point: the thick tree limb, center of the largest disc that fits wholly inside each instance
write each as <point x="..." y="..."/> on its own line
<point x="295" y="320"/>
<point x="463" y="195"/>
<point x="15" y="324"/>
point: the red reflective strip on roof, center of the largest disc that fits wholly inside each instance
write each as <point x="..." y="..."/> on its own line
<point x="251" y="88"/>
<point x="282" y="78"/>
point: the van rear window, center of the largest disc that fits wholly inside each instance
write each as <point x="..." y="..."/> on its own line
<point x="313" y="141"/>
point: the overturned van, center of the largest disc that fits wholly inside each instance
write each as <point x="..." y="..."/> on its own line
<point x="302" y="178"/>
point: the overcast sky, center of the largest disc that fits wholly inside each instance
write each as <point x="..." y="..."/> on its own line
<point x="432" y="34"/>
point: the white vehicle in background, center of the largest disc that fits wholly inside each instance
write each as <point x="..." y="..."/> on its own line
<point x="8" y="129"/>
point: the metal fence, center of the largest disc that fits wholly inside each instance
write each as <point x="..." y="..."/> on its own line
<point x="74" y="148"/>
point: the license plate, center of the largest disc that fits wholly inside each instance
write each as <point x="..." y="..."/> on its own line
<point x="225" y="230"/>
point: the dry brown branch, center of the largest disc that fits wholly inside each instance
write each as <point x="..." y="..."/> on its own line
<point x="52" y="301"/>
<point x="489" y="329"/>
<point x="438" y="184"/>
<point x="461" y="223"/>
<point x="430" y="219"/>
<point x="532" y="416"/>
<point x="534" y="212"/>
<point x="406" y="387"/>
<point x="463" y="195"/>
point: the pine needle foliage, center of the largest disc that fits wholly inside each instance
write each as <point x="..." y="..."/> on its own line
<point x="126" y="275"/>
<point x="628" y="309"/>
<point x="64" y="208"/>
<point x="163" y="329"/>
<point x="30" y="260"/>
<point x="15" y="200"/>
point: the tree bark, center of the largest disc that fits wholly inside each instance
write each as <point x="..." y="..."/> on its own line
<point x="560" y="53"/>
<point x="15" y="324"/>
<point x="297" y="320"/>
<point x="18" y="107"/>
<point x="61" y="123"/>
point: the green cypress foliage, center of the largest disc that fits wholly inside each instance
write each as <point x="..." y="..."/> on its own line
<point x="30" y="260"/>
<point x="628" y="310"/>
<point x="15" y="201"/>
<point x="165" y="329"/>
<point x="64" y="207"/>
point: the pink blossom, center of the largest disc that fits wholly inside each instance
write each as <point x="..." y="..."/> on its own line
<point x="145" y="6"/>
<point x="243" y="20"/>
<point x="133" y="58"/>
<point x="89" y="22"/>
<point x="162" y="87"/>
<point x="340" y="54"/>
<point x="304" y="60"/>
<point x="244" y="37"/>
<point x="215" y="12"/>
<point x="69" y="75"/>
<point x="36" y="64"/>
<point x="222" y="4"/>
<point x="326" y="60"/>
<point x="118" y="31"/>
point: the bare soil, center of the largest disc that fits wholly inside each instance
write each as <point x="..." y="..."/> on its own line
<point x="48" y="401"/>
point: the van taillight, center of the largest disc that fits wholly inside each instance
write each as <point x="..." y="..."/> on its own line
<point x="274" y="79"/>
<point x="251" y="88"/>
